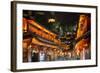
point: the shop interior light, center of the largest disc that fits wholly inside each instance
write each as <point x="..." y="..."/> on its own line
<point x="51" y="20"/>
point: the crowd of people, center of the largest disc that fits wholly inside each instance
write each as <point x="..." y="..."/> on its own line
<point x="40" y="54"/>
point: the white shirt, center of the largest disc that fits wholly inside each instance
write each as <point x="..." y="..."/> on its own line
<point x="41" y="56"/>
